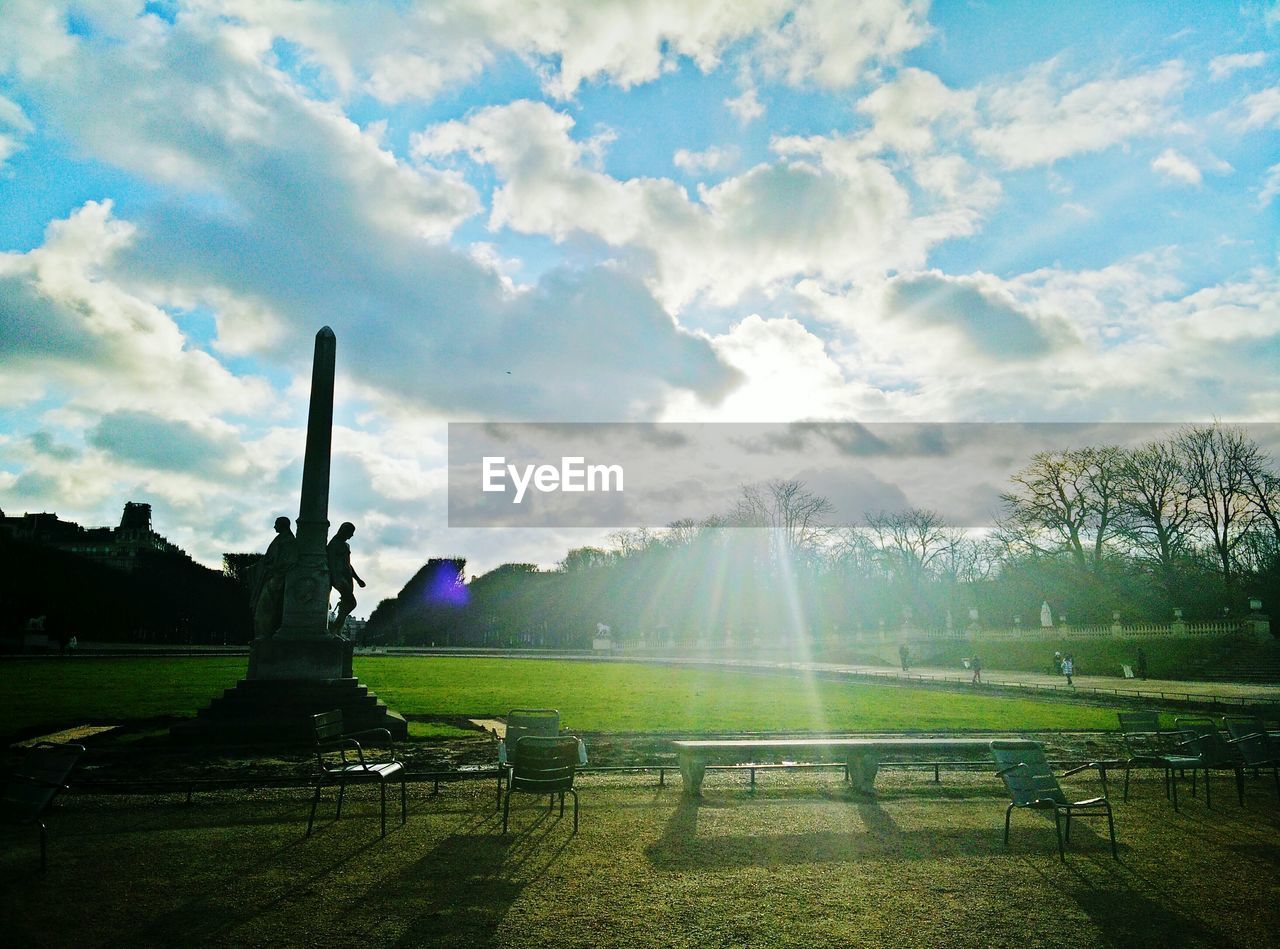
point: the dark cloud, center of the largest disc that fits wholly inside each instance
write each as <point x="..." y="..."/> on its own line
<point x="150" y="441"/>
<point x="994" y="328"/>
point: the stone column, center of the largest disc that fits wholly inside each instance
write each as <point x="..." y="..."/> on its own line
<point x="303" y="648"/>
<point x="306" y="586"/>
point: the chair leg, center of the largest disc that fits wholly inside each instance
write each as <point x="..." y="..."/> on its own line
<point x="1008" y="812"/>
<point x="382" y="791"/>
<point x="1208" y="800"/>
<point x="1068" y="823"/>
<point x="562" y="803"/>
<point x="1126" y="785"/>
<point x="342" y="790"/>
<point x="1102" y="774"/>
<point x="506" y="808"/>
<point x="404" y="801"/>
<point x="1173" y="783"/>
<point x="1111" y="829"/>
<point x="1057" y="826"/>
<point x="314" y="801"/>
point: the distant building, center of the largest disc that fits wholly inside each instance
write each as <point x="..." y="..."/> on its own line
<point x="117" y="547"/>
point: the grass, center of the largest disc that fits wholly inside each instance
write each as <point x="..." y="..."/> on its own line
<point x="45" y="695"/>
<point x="797" y="863"/>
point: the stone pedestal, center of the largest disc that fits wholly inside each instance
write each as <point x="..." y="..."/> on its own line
<point x="279" y="658"/>
<point x="290" y="680"/>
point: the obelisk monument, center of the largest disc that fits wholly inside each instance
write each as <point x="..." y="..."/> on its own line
<point x="303" y="648"/>
<point x="302" y="669"/>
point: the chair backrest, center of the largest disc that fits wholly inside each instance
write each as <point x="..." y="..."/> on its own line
<point x="539" y="722"/>
<point x="1131" y="722"/>
<point x="1026" y="773"/>
<point x="328" y="725"/>
<point x="39" y="777"/>
<point x="1142" y="733"/>
<point x="542" y="764"/>
<point x="1196" y="725"/>
<point x="1240" y="725"/>
<point x="1203" y="739"/>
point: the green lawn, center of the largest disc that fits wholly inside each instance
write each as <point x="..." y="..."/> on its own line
<point x="592" y="697"/>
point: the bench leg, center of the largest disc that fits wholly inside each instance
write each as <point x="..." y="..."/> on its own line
<point x="692" y="771"/>
<point x="863" y="767"/>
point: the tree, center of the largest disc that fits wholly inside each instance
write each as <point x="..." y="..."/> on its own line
<point x="1215" y="458"/>
<point x="793" y="513"/>
<point x="912" y="540"/>
<point x="1064" y="501"/>
<point x="1156" y="505"/>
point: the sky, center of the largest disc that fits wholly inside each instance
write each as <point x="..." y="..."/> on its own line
<point x="606" y="211"/>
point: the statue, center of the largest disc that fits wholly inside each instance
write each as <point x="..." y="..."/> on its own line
<point x="341" y="575"/>
<point x="267" y="601"/>
<point x="1046" y="615"/>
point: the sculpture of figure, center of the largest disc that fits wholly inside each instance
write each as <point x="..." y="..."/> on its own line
<point x="1046" y="615"/>
<point x="267" y="601"/>
<point x="341" y="575"/>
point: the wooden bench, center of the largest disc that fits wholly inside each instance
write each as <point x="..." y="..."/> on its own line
<point x="861" y="756"/>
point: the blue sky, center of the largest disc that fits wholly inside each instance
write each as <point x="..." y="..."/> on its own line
<point x="625" y="210"/>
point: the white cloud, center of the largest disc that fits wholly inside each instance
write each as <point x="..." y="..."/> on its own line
<point x="67" y="325"/>
<point x="1220" y="67"/>
<point x="1034" y="122"/>
<point x="1260" y="109"/>
<point x="1177" y="167"/>
<point x="1270" y="186"/>
<point x="294" y="212"/>
<point x="396" y="50"/>
<point x="14" y="124"/>
<point x="707" y="161"/>
<point x="825" y="208"/>
<point x="906" y="109"/>
<point x="745" y="107"/>
<point x="830" y="43"/>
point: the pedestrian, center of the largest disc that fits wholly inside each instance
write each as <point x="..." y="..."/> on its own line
<point x="976" y="665"/>
<point x="1069" y="667"/>
<point x="1140" y="665"/>
<point x="1057" y="662"/>
<point x="905" y="655"/>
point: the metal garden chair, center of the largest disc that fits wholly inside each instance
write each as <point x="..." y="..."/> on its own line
<point x="543" y="766"/>
<point x="1212" y="752"/>
<point x="1029" y="779"/>
<point x="341" y="759"/>
<point x="539" y="722"/>
<point x="30" y="789"/>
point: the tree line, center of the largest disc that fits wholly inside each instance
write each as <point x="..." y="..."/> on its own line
<point x="1190" y="521"/>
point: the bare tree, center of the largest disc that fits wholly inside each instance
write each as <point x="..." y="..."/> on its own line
<point x="1155" y="504"/>
<point x="794" y="514"/>
<point x="1215" y="458"/>
<point x="913" y="541"/>
<point x="1064" y="501"/>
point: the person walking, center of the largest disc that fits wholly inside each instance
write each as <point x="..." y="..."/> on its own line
<point x="905" y="655"/>
<point x="1068" y="668"/>
<point x="976" y="665"/>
